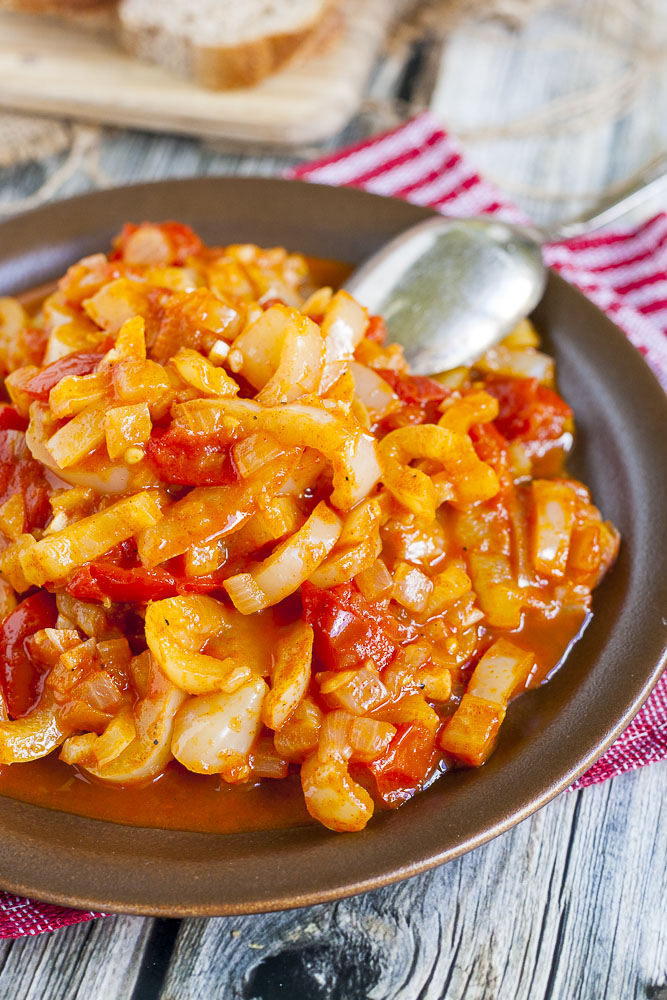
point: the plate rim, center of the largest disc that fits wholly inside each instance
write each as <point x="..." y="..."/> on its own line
<point x="410" y="867"/>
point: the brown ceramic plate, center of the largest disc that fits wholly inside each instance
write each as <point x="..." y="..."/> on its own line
<point x="550" y="735"/>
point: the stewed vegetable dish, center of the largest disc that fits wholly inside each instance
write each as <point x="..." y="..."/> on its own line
<point x="243" y="550"/>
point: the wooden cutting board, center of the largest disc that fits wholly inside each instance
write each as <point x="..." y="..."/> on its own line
<point x="53" y="67"/>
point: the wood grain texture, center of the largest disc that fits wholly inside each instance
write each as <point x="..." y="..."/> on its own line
<point x="569" y="905"/>
<point x="492" y="79"/>
<point x="90" y="961"/>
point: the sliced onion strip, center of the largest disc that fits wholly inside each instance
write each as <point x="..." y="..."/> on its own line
<point x="292" y="562"/>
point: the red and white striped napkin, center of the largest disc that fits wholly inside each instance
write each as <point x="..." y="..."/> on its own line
<point x="624" y="272"/>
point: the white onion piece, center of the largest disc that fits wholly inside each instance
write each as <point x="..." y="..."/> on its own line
<point x="286" y="569"/>
<point x="341" y="567"/>
<point x="359" y="538"/>
<point x="267" y="762"/>
<point x="177" y="628"/>
<point x="412" y="588"/>
<point x="258" y="347"/>
<point x="502" y="668"/>
<point x="355" y="691"/>
<point x="343" y="328"/>
<point x="300" y="365"/>
<point x="377" y="395"/>
<point x="370" y="738"/>
<point x="294" y="560"/>
<point x="209" y="416"/>
<point x="291" y="674"/>
<point x="150" y="751"/>
<point x="351" y="451"/>
<point x="96" y="473"/>
<point x="332" y="797"/>
<point x="147" y="245"/>
<point x="524" y="362"/>
<point x="334" y="738"/>
<point x="375" y="581"/>
<point x="362" y="471"/>
<point x="214" y="733"/>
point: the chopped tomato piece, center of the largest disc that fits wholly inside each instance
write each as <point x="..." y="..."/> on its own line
<point x="187" y="459"/>
<point x="405" y="764"/>
<point x="106" y="581"/>
<point x="33" y="343"/>
<point x="182" y="241"/>
<point x="21" y="473"/>
<point x="376" y="330"/>
<point x="418" y="389"/>
<point x="348" y="630"/>
<point x="420" y="399"/>
<point x="491" y="447"/>
<point x="19" y="676"/>
<point x="78" y="363"/>
<point x="11" y="419"/>
<point x="528" y="411"/>
<point x="124" y="554"/>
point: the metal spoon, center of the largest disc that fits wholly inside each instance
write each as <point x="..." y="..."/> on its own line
<point x="451" y="288"/>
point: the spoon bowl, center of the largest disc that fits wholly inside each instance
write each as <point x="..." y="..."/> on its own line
<point x="451" y="288"/>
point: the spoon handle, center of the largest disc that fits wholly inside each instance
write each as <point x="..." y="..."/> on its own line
<point x="646" y="184"/>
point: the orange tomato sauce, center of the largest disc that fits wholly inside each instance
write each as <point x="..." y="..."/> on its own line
<point x="180" y="800"/>
<point x="176" y="800"/>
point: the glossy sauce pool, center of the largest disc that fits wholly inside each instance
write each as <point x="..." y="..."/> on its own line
<point x="180" y="800"/>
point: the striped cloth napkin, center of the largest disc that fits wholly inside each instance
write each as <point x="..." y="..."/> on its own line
<point x="624" y="272"/>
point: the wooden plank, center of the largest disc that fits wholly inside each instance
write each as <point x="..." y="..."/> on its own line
<point x="49" y="67"/>
<point x="568" y="904"/>
<point x="491" y="78"/>
<point x="571" y="903"/>
<point x="99" y="960"/>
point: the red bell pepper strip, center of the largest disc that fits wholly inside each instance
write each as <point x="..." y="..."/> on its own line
<point x="348" y="630"/>
<point x="78" y="363"/>
<point x="105" y="581"/>
<point x="405" y="764"/>
<point x="19" y="675"/>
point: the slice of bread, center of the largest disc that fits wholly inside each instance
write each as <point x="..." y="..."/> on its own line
<point x="219" y="43"/>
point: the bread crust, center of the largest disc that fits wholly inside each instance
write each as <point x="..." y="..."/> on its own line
<point x="221" y="67"/>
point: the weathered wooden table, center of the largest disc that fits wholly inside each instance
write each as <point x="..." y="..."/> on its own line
<point x="570" y="904"/>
